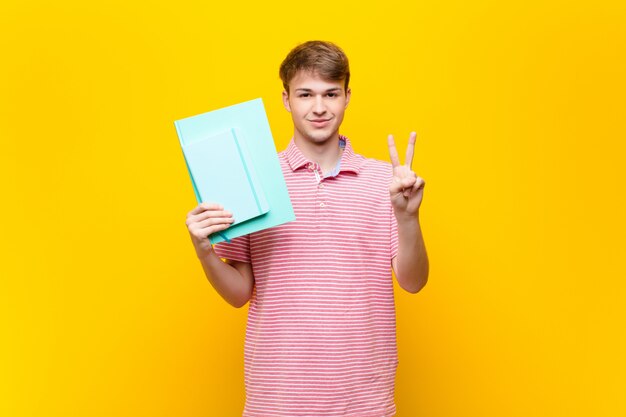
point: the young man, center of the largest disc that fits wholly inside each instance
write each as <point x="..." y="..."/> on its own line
<point x="321" y="335"/>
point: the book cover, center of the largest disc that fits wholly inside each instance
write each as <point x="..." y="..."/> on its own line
<point x="222" y="171"/>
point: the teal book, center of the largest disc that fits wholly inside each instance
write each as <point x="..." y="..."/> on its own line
<point x="222" y="171"/>
<point x="231" y="159"/>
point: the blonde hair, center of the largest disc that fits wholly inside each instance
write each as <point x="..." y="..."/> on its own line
<point x="322" y="58"/>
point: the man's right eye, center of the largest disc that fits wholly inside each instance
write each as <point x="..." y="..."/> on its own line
<point x="304" y="95"/>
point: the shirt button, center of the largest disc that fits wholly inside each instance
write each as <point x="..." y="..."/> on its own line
<point x="321" y="185"/>
<point x="310" y="167"/>
<point x="322" y="204"/>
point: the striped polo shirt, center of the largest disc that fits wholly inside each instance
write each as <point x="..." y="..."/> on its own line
<point x="321" y="331"/>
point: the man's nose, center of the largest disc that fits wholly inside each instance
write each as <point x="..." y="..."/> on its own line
<point x="319" y="107"/>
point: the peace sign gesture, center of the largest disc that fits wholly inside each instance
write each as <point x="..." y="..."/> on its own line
<point x="406" y="189"/>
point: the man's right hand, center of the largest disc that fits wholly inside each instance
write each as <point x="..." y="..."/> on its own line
<point x="204" y="220"/>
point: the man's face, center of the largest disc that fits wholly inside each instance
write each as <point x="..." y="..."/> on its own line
<point x="316" y="106"/>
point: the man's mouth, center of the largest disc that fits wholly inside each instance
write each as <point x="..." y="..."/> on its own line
<point x="319" y="122"/>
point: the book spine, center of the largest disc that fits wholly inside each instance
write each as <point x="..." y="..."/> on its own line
<point x="247" y="171"/>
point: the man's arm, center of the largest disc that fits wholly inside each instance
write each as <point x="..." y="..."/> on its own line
<point x="406" y="192"/>
<point x="232" y="280"/>
<point x="411" y="263"/>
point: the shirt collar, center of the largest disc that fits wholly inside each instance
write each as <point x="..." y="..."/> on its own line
<point x="349" y="160"/>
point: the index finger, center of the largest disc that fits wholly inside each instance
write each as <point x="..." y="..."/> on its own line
<point x="205" y="206"/>
<point x="410" y="149"/>
<point x="393" y="152"/>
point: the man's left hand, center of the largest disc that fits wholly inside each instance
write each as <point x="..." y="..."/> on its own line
<point x="406" y="189"/>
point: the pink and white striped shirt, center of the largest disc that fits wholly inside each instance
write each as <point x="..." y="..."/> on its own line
<point x="321" y="332"/>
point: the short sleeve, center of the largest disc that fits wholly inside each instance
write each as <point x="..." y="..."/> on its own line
<point x="237" y="250"/>
<point x="394" y="234"/>
<point x="393" y="222"/>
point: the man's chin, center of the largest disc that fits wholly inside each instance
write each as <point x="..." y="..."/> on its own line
<point x="319" y="137"/>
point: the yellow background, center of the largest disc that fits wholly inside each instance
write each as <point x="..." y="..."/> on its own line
<point x="519" y="109"/>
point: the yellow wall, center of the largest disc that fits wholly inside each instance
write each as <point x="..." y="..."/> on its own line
<point x="519" y="110"/>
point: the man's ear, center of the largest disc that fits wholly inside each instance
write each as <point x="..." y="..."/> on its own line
<point x="348" y="94"/>
<point x="286" y="101"/>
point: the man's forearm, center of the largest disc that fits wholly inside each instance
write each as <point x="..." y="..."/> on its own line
<point x="234" y="287"/>
<point x="412" y="260"/>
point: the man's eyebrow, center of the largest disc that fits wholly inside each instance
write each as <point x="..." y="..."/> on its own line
<point x="309" y="90"/>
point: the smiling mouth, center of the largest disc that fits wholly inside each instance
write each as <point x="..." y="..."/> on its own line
<point x="319" y="122"/>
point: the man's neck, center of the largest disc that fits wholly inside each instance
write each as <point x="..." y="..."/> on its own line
<point x="327" y="154"/>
